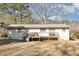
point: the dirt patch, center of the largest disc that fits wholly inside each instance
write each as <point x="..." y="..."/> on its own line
<point x="41" y="48"/>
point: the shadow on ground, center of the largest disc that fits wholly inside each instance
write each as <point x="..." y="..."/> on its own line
<point x="8" y="41"/>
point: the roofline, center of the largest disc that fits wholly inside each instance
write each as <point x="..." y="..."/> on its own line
<point x="35" y="26"/>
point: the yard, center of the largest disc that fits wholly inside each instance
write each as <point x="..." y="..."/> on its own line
<point x="40" y="48"/>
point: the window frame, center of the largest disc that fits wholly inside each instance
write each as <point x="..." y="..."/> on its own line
<point x="42" y="30"/>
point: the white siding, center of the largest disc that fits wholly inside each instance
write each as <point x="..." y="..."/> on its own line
<point x="45" y="33"/>
<point x="63" y="34"/>
<point x="33" y="30"/>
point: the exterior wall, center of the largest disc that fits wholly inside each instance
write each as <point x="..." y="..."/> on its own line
<point x="63" y="34"/>
<point x="14" y="34"/>
<point x="33" y="30"/>
<point x="45" y="33"/>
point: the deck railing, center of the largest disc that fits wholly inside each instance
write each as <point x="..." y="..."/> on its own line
<point x="37" y="34"/>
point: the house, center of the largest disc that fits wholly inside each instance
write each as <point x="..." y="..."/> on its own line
<point x="21" y="31"/>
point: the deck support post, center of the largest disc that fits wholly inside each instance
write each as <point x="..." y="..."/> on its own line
<point x="28" y="38"/>
<point x="48" y="38"/>
<point x="39" y="38"/>
<point x="32" y="38"/>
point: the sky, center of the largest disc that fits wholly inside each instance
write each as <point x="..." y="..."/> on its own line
<point x="71" y="10"/>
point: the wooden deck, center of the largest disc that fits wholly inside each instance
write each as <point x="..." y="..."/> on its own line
<point x="39" y="37"/>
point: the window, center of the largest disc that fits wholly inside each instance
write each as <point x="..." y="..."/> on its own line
<point x="63" y="30"/>
<point x="51" y="30"/>
<point x="18" y="30"/>
<point x="10" y="32"/>
<point x="42" y="30"/>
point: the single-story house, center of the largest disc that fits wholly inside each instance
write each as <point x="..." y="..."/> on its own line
<point x="21" y="31"/>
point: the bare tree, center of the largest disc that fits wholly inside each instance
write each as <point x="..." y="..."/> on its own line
<point x="44" y="11"/>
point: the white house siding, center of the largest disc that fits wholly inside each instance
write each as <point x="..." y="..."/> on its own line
<point x="33" y="30"/>
<point x="63" y="34"/>
<point x="45" y="33"/>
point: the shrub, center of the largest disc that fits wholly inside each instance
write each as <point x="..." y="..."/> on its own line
<point x="76" y="34"/>
<point x="3" y="34"/>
